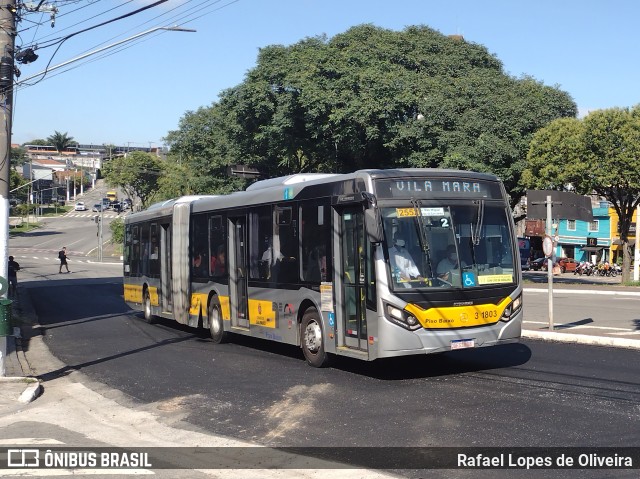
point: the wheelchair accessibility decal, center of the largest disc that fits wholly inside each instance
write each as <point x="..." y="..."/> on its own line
<point x="468" y="279"/>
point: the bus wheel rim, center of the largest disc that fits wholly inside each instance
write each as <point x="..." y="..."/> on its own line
<point x="215" y="321"/>
<point x="313" y="337"/>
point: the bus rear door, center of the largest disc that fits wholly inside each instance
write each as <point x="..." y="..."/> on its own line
<point x="238" y="292"/>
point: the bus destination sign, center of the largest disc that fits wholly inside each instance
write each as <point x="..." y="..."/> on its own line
<point x="438" y="188"/>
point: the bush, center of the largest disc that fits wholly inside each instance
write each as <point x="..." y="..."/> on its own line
<point x="117" y="231"/>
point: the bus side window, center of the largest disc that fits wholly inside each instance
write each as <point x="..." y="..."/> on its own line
<point x="314" y="240"/>
<point x="260" y="231"/>
<point x="217" y="247"/>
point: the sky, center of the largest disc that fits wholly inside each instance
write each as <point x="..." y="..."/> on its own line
<point x="135" y="93"/>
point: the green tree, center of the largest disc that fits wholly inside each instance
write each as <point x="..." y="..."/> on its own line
<point x="375" y="98"/>
<point x="117" y="230"/>
<point x="38" y="141"/>
<point x="18" y="156"/>
<point x="61" y="141"/>
<point x="599" y="154"/>
<point x="136" y="173"/>
<point x="200" y="156"/>
<point x="16" y="181"/>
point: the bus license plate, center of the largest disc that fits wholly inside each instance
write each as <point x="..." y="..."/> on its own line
<point x="463" y="343"/>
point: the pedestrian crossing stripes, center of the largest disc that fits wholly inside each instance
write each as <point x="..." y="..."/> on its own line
<point x="89" y="214"/>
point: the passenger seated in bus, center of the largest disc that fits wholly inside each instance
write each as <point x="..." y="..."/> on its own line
<point x="403" y="268"/>
<point x="270" y="256"/>
<point x="199" y="265"/>
<point x="270" y="262"/>
<point x="218" y="267"/>
<point x="317" y="265"/>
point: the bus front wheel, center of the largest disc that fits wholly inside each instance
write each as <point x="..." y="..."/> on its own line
<point x="312" y="340"/>
<point x="216" y="327"/>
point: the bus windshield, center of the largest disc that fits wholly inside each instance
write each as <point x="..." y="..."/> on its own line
<point x="455" y="246"/>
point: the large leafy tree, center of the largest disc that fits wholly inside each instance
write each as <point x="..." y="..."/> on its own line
<point x="61" y="140"/>
<point x="137" y="174"/>
<point x="201" y="154"/>
<point x="601" y="154"/>
<point x="374" y="98"/>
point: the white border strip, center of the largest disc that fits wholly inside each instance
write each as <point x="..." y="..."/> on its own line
<point x="582" y="291"/>
<point x="582" y="339"/>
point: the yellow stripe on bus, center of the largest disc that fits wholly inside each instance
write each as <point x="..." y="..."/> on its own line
<point x="133" y="294"/>
<point x="459" y="316"/>
<point x="199" y="305"/>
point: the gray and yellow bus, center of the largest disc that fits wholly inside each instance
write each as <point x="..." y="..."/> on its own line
<point x="339" y="265"/>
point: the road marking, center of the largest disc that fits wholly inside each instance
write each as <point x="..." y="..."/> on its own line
<point x="29" y="441"/>
<point x="74" y="472"/>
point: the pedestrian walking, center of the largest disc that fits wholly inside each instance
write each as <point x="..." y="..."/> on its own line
<point x="62" y="255"/>
<point x="13" y="267"/>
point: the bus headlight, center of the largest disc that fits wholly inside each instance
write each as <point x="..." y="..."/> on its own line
<point x="401" y="317"/>
<point x="514" y="308"/>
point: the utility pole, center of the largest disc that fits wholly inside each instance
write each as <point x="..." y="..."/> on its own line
<point x="7" y="48"/>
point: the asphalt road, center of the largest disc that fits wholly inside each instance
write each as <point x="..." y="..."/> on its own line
<point x="528" y="394"/>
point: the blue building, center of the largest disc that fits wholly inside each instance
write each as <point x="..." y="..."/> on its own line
<point x="583" y="240"/>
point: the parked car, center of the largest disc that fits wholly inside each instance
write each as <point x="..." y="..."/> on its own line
<point x="568" y="264"/>
<point x="97" y="207"/>
<point x="538" y="264"/>
<point x="80" y="206"/>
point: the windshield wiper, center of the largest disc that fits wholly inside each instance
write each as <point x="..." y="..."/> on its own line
<point x="476" y="230"/>
<point x="424" y="243"/>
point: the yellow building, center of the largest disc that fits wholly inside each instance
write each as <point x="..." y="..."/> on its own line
<point x="615" y="250"/>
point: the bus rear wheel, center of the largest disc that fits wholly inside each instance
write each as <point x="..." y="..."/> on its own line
<point x="216" y="326"/>
<point x="148" y="315"/>
<point x="312" y="340"/>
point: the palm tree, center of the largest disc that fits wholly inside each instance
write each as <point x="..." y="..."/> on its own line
<point x="61" y="141"/>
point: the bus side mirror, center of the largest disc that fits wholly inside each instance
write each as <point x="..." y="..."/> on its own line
<point x="372" y="223"/>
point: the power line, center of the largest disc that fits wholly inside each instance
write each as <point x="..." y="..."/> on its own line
<point x="192" y="14"/>
<point x="42" y="39"/>
<point x="158" y="2"/>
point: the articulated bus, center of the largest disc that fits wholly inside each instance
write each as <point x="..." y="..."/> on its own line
<point x="309" y="260"/>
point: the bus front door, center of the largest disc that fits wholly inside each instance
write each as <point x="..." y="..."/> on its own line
<point x="352" y="267"/>
<point x="238" y="272"/>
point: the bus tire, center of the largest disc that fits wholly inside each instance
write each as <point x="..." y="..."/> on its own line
<point x="216" y="324"/>
<point x="312" y="340"/>
<point x="146" y="307"/>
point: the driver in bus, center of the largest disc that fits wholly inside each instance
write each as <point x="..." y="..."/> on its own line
<point x="403" y="268"/>
<point x="449" y="266"/>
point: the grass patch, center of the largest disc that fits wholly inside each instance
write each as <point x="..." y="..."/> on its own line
<point x="631" y="283"/>
<point x="23" y="228"/>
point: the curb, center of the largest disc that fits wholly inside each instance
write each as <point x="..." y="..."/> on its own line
<point x="582" y="339"/>
<point x="31" y="392"/>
